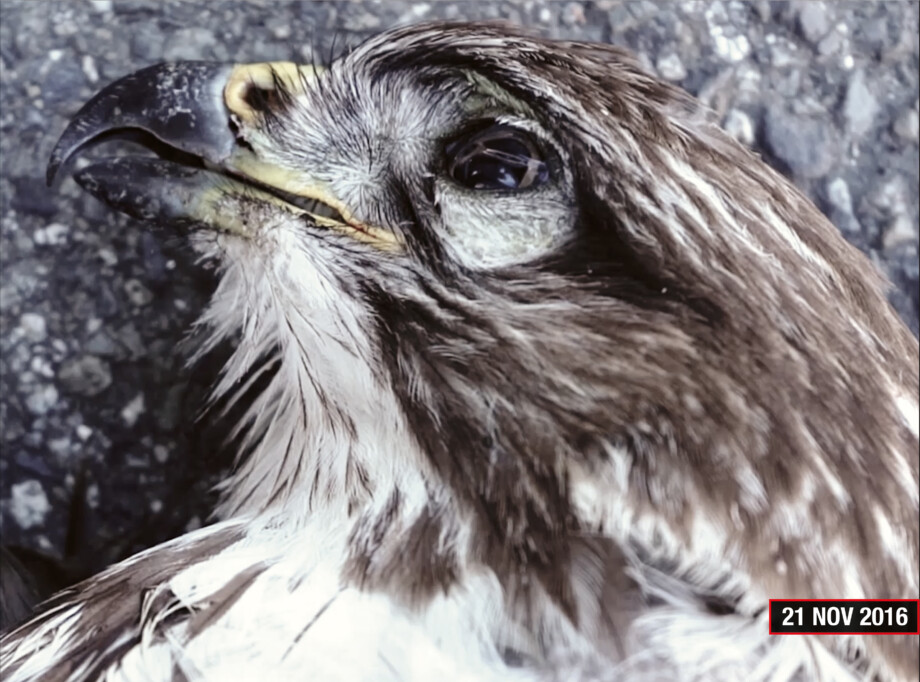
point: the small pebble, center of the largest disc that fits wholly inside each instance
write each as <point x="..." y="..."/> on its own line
<point x="40" y="401"/>
<point x="28" y="503"/>
<point x="859" y="106"/>
<point x="838" y="195"/>
<point x="901" y="230"/>
<point x="907" y="125"/>
<point x="60" y="447"/>
<point x="161" y="453"/>
<point x="108" y="256"/>
<point x="54" y="234"/>
<point x="41" y="367"/>
<point x="731" y="50"/>
<point x="133" y="410"/>
<point x="92" y="495"/>
<point x="807" y="145"/>
<point x="33" y="327"/>
<point x="671" y="67"/>
<point x="573" y="14"/>
<point x="89" y="68"/>
<point x="831" y="43"/>
<point x="86" y="375"/>
<point x="740" y="126"/>
<point x="138" y="294"/>
<point x="813" y="21"/>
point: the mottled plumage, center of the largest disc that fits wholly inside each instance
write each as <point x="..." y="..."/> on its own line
<point x="580" y="430"/>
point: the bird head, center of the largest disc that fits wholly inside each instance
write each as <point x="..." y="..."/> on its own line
<point x="537" y="285"/>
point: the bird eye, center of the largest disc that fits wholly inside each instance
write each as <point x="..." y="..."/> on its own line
<point x="500" y="157"/>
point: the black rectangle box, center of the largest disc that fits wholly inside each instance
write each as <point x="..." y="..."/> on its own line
<point x="844" y="616"/>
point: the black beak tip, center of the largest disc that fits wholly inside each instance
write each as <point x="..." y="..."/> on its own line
<point x="70" y="141"/>
<point x="63" y="151"/>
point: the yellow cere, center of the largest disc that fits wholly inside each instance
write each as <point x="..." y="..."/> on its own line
<point x="261" y="75"/>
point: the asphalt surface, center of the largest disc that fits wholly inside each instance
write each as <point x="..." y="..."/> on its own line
<point x="94" y="308"/>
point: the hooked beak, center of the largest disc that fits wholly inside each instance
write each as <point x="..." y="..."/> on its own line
<point x="207" y="121"/>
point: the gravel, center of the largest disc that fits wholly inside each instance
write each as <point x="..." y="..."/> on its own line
<point x="860" y="107"/>
<point x="804" y="145"/>
<point x="94" y="308"/>
<point x="86" y="375"/>
<point x="28" y="504"/>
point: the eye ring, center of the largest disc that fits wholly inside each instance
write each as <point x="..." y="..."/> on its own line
<point x="498" y="157"/>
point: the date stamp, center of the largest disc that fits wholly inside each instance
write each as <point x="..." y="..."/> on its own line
<point x="844" y="616"/>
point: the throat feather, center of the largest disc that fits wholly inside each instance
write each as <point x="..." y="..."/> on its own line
<point x="324" y="430"/>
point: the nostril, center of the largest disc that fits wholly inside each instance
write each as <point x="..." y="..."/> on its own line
<point x="254" y="91"/>
<point x="260" y="99"/>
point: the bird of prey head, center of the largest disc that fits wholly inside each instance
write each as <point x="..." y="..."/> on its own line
<point x="566" y="384"/>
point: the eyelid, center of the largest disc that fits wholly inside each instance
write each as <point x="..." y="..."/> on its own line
<point x="488" y="130"/>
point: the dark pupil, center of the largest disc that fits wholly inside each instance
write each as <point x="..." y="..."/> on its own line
<point x="498" y="158"/>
